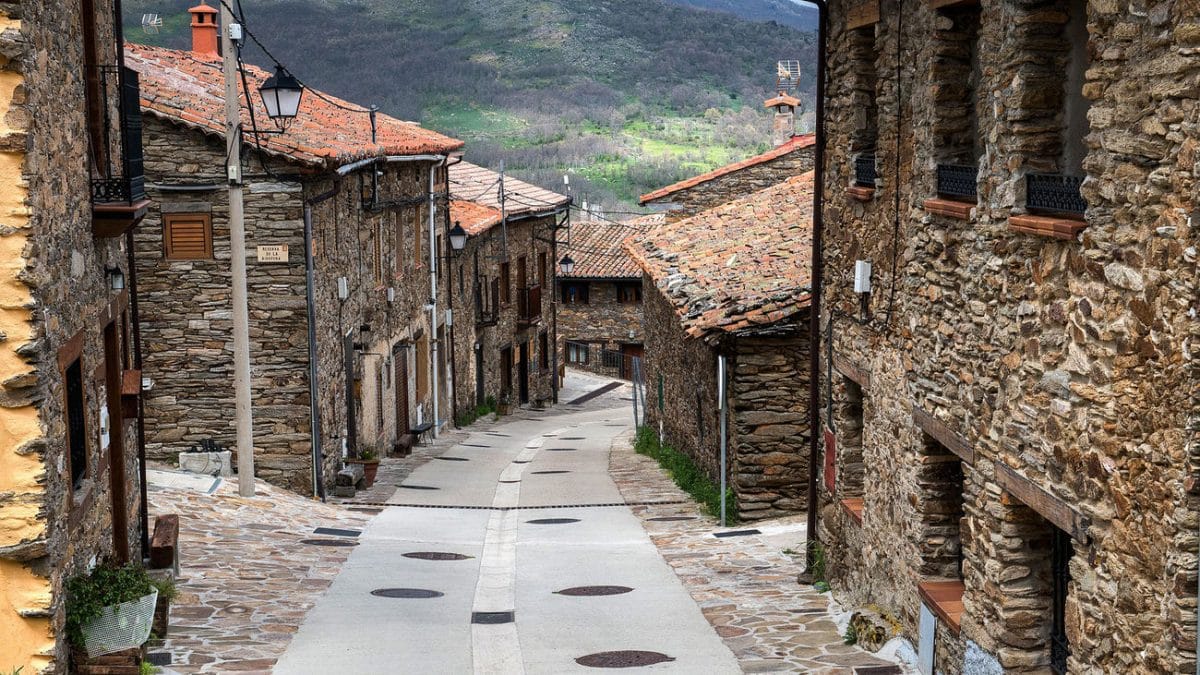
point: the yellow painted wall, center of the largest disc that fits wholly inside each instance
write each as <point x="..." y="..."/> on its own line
<point x="25" y="642"/>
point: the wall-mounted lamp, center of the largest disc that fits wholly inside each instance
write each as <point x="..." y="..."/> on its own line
<point x="391" y="294"/>
<point x="567" y="264"/>
<point x="116" y="278"/>
<point x="862" y="286"/>
<point x="281" y="95"/>
<point x="458" y="237"/>
<point x="343" y="288"/>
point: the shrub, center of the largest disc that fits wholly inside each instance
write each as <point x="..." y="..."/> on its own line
<point x="89" y="594"/>
<point x="687" y="475"/>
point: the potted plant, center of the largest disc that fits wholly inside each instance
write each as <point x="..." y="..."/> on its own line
<point x="368" y="457"/>
<point x="110" y="609"/>
<point x="505" y="406"/>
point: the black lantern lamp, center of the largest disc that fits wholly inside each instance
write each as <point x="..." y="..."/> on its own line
<point x="567" y="265"/>
<point x="281" y="95"/>
<point x="116" y="278"/>
<point x="458" y="237"/>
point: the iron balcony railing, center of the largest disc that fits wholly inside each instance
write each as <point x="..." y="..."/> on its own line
<point x="1054" y="193"/>
<point x="487" y="315"/>
<point x="865" y="171"/>
<point x="529" y="305"/>
<point x="958" y="182"/>
<point x="119" y="161"/>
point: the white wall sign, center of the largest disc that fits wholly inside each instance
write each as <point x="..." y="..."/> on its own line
<point x="273" y="254"/>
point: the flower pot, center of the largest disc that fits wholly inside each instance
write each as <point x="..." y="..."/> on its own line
<point x="120" y="627"/>
<point x="370" y="469"/>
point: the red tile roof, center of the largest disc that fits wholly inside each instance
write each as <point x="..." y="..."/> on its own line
<point x="782" y="99"/>
<point x="472" y="183"/>
<point x="188" y="88"/>
<point x="596" y="247"/>
<point x="797" y="143"/>
<point x="742" y="265"/>
<point x="474" y="218"/>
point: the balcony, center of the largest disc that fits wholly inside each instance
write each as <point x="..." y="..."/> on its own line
<point x="529" y="306"/>
<point x="1054" y="193"/>
<point x="487" y="315"/>
<point x="118" y="185"/>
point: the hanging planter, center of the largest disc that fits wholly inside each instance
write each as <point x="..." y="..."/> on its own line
<point x="111" y="609"/>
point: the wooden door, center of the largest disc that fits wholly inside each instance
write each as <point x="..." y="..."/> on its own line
<point x="116" y="442"/>
<point x="351" y="412"/>
<point x="400" y="359"/>
<point x="628" y="354"/>
<point x="523" y="372"/>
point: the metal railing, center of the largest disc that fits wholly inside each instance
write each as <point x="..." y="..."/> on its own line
<point x="121" y="167"/>
<point x="489" y="315"/>
<point x="1054" y="193"/>
<point x="958" y="182"/>
<point x="595" y="359"/>
<point x="865" y="171"/>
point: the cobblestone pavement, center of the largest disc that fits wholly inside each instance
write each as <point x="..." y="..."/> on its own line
<point x="746" y="586"/>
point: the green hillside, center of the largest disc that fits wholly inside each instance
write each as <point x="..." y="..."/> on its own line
<point x="626" y="95"/>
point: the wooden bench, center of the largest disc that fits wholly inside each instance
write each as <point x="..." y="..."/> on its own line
<point x="164" y="545"/>
<point x="421" y="430"/>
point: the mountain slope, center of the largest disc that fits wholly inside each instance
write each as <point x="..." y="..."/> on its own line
<point x="801" y="16"/>
<point x="554" y="84"/>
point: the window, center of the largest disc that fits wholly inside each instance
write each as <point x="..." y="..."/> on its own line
<point x="544" y="345"/>
<point x="398" y="230"/>
<point x="864" y="83"/>
<point x="377" y="266"/>
<point x="416" y="221"/>
<point x="187" y="236"/>
<point x="506" y="362"/>
<point x="850" y="471"/>
<point x="542" y="269"/>
<point x="577" y="352"/>
<point x="505" y="284"/>
<point x="957" y="77"/>
<point x="575" y="293"/>
<point x="422" y="368"/>
<point x="629" y="293"/>
<point x="610" y="358"/>
<point x="76" y="426"/>
<point x="522" y="272"/>
<point x="97" y="133"/>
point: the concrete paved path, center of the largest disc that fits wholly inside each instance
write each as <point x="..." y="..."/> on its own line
<point x="541" y="467"/>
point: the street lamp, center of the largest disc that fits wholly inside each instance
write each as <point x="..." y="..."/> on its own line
<point x="281" y="95"/>
<point x="567" y="265"/>
<point x="458" y="237"/>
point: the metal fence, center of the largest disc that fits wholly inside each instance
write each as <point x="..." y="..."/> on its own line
<point x="593" y="358"/>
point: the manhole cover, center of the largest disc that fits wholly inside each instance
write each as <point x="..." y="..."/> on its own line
<point x="453" y="459"/>
<point x="329" y="542"/>
<point x="549" y="473"/>
<point x="623" y="659"/>
<point x="552" y="521"/>
<point x="417" y="487"/>
<point x="671" y="519"/>
<point x="436" y="555"/>
<point x="337" y="532"/>
<point x="412" y="593"/>
<point x="588" y="591"/>
<point x="492" y="617"/>
<point x="561" y="449"/>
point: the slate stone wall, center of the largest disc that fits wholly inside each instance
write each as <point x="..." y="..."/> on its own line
<point x="690" y="201"/>
<point x="1067" y="363"/>
<point x="603" y="323"/>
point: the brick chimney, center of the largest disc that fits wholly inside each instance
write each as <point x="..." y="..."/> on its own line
<point x="785" y="117"/>
<point x="204" y="29"/>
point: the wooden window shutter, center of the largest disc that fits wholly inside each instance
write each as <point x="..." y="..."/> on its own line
<point x="187" y="236"/>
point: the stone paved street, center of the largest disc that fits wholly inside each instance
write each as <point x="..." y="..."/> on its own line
<point x="255" y="597"/>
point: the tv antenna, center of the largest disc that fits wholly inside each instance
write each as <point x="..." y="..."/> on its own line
<point x="151" y="23"/>
<point x="787" y="77"/>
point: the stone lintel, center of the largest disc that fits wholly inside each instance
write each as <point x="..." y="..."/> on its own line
<point x="860" y="375"/>
<point x="950" y="208"/>
<point x="950" y="439"/>
<point x="1046" y="226"/>
<point x="1053" y="509"/>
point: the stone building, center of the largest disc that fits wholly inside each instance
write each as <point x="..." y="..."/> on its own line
<point x="733" y="283"/>
<point x="71" y="188"/>
<point x="500" y="288"/>
<point x="374" y="201"/>
<point x="600" y="299"/>
<point x="688" y="197"/>
<point x="1009" y="471"/>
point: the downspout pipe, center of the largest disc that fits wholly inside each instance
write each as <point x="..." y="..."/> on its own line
<point x="439" y="161"/>
<point x="818" y="270"/>
<point x="347" y="169"/>
<point x="318" y="465"/>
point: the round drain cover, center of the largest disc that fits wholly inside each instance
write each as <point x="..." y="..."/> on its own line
<point x="435" y="555"/>
<point x="329" y="542"/>
<point x="671" y="519"/>
<point x="552" y="521"/>
<point x="588" y="591"/>
<point x="548" y="473"/>
<point x="453" y="459"/>
<point x="414" y="593"/>
<point x="418" y="487"/>
<point x="623" y="659"/>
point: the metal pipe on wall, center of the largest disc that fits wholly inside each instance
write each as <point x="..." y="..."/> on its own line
<point x="433" y="293"/>
<point x="318" y="467"/>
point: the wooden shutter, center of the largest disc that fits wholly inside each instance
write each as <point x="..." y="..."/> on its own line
<point x="187" y="236"/>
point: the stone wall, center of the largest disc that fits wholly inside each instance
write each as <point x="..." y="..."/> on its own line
<point x="1058" y="371"/>
<point x="477" y="340"/>
<point x="769" y="425"/>
<point x="688" y="202"/>
<point x="57" y="302"/>
<point x="603" y="322"/>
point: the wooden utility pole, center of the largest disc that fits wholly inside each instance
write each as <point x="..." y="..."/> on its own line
<point x="237" y="244"/>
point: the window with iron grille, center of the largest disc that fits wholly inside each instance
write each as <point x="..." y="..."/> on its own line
<point x="957" y="76"/>
<point x="76" y="426"/>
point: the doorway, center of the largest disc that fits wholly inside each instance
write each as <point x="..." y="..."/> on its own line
<point x="400" y="365"/>
<point x="351" y="413"/>
<point x="628" y="354"/>
<point x="479" y="395"/>
<point x="112" y="430"/>
<point x="523" y="372"/>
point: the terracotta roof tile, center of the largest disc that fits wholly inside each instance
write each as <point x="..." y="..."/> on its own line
<point x="472" y="183"/>
<point x="474" y="218"/>
<point x="747" y="263"/>
<point x="189" y="88"/>
<point x="598" y="251"/>
<point x="797" y="143"/>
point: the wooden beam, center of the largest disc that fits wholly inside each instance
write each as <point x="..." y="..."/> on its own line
<point x="861" y="376"/>
<point x="1053" y="509"/>
<point x="862" y="14"/>
<point x="947" y="437"/>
